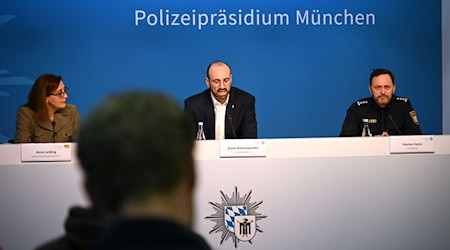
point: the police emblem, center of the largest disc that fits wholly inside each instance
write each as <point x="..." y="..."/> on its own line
<point x="236" y="217"/>
<point x="244" y="227"/>
<point x="414" y="117"/>
<point x="231" y="212"/>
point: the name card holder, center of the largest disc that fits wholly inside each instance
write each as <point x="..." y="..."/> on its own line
<point x="242" y="148"/>
<point x="45" y="152"/>
<point x="411" y="144"/>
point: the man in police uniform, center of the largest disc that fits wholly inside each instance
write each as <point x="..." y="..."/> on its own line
<point x="387" y="113"/>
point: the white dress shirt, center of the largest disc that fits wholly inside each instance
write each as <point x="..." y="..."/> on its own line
<point x="219" y="113"/>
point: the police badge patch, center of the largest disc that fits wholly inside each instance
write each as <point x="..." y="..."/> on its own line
<point x="236" y="217"/>
<point x="414" y="117"/>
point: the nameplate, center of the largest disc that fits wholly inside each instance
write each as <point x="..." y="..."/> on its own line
<point x="411" y="144"/>
<point x="45" y="152"/>
<point x="242" y="148"/>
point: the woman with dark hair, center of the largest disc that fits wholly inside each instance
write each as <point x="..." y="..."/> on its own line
<point x="46" y="117"/>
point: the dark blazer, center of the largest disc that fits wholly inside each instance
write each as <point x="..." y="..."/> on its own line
<point x="67" y="123"/>
<point x="148" y="233"/>
<point x="240" y="114"/>
<point x="82" y="226"/>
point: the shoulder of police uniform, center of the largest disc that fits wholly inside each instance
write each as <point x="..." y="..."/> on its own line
<point x="401" y="99"/>
<point x="362" y="102"/>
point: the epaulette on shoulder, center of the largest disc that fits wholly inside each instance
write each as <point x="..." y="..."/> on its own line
<point x="401" y="99"/>
<point x="362" y="103"/>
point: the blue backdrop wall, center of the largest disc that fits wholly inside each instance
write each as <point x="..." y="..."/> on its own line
<point x="305" y="61"/>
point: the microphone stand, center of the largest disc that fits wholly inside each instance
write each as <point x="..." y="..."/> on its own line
<point x="230" y="118"/>
<point x="54" y="131"/>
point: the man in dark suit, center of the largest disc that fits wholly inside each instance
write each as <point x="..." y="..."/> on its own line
<point x="386" y="113"/>
<point x="226" y="112"/>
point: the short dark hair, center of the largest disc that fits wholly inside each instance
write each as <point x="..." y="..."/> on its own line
<point x="377" y="72"/>
<point x="133" y="145"/>
<point x="216" y="62"/>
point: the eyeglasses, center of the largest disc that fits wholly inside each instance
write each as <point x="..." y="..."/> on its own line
<point x="61" y="93"/>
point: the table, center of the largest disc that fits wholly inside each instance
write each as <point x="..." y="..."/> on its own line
<point x="316" y="193"/>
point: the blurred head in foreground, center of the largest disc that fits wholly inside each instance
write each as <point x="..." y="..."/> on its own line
<point x="135" y="150"/>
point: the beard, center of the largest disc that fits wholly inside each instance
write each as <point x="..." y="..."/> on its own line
<point x="383" y="100"/>
<point x="220" y="92"/>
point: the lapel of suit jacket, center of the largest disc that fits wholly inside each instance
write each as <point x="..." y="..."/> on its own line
<point x="47" y="124"/>
<point x="209" y="113"/>
<point x="229" y="115"/>
<point x="61" y="119"/>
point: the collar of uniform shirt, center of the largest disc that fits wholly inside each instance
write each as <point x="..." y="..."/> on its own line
<point x="217" y="103"/>
<point x="219" y="113"/>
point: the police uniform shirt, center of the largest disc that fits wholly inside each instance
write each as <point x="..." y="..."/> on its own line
<point x="397" y="118"/>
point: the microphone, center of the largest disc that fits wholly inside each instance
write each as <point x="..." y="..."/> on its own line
<point x="230" y="119"/>
<point x="54" y="131"/>
<point x="395" y="125"/>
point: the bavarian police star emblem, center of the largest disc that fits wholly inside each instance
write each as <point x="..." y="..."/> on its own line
<point x="236" y="217"/>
